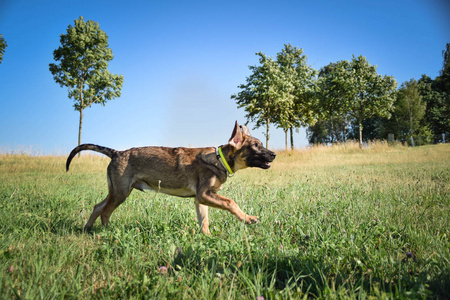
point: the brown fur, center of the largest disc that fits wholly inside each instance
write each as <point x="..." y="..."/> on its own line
<point x="183" y="172"/>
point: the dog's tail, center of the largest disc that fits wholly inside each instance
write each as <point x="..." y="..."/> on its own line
<point x="104" y="150"/>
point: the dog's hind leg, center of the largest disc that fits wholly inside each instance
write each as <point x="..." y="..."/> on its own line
<point x="105" y="209"/>
<point x="116" y="196"/>
<point x="113" y="202"/>
<point x="98" y="209"/>
<point x="202" y="217"/>
<point x="119" y="190"/>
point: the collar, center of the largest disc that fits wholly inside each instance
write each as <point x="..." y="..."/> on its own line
<point x="224" y="162"/>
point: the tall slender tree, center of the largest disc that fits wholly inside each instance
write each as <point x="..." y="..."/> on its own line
<point x="331" y="106"/>
<point x="263" y="93"/>
<point x="410" y="111"/>
<point x="300" y="76"/>
<point x="82" y="62"/>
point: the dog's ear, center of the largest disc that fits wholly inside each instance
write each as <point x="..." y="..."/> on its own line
<point x="245" y="130"/>
<point x="236" y="137"/>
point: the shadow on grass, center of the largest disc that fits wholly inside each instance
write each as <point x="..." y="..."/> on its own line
<point x="276" y="272"/>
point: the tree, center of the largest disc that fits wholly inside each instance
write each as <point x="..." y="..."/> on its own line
<point x="82" y="67"/>
<point x="437" y="113"/>
<point x="3" y="46"/>
<point x="410" y="106"/>
<point x="408" y="120"/>
<point x="300" y="76"/>
<point x="436" y="94"/>
<point x="438" y="105"/>
<point x="330" y="106"/>
<point x="265" y="91"/>
<point x="361" y="92"/>
<point x="410" y="111"/>
<point x="318" y="133"/>
<point x="374" y="128"/>
<point x="443" y="80"/>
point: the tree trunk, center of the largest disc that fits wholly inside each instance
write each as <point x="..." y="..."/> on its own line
<point x="267" y="133"/>
<point x="360" y="134"/>
<point x="410" y="121"/>
<point x="286" y="139"/>
<point x="332" y="130"/>
<point x="344" y="133"/>
<point x="79" y="126"/>
<point x="292" y="138"/>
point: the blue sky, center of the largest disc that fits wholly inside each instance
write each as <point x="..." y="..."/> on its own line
<point x="182" y="60"/>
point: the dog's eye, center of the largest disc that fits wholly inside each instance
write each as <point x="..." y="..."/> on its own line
<point x="256" y="145"/>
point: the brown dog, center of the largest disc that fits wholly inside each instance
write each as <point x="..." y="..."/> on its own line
<point x="183" y="172"/>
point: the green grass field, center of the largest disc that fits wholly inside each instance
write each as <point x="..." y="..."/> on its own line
<point x="335" y="222"/>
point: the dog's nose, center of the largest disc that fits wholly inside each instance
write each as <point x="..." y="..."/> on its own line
<point x="273" y="154"/>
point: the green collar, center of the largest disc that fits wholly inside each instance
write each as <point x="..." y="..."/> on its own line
<point x="224" y="162"/>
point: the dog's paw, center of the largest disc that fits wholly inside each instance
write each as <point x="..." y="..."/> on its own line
<point x="251" y="220"/>
<point x="87" y="229"/>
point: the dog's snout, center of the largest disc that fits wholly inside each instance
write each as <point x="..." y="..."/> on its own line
<point x="272" y="155"/>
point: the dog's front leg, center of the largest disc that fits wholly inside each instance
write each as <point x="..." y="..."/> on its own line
<point x="202" y="217"/>
<point x="210" y="198"/>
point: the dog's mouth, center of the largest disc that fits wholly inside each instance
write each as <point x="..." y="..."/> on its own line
<point x="261" y="163"/>
<point x="260" y="160"/>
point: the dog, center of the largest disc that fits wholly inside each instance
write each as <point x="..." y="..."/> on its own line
<point x="183" y="172"/>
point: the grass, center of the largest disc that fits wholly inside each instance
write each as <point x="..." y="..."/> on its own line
<point x="335" y="222"/>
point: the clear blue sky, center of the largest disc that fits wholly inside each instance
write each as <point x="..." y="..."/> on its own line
<point x="182" y="60"/>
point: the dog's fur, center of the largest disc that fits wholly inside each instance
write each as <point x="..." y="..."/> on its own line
<point x="183" y="172"/>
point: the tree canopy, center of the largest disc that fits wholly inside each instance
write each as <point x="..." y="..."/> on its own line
<point x="330" y="107"/>
<point x="265" y="91"/>
<point x="345" y="99"/>
<point x="410" y="111"/>
<point x="437" y="102"/>
<point x="82" y="61"/>
<point x="355" y="88"/>
<point x="300" y="112"/>
<point x="279" y="92"/>
<point x="336" y="125"/>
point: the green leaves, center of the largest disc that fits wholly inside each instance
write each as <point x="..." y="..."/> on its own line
<point x="356" y="90"/>
<point x="302" y="79"/>
<point x="436" y="94"/>
<point x="279" y="91"/>
<point x="408" y="116"/>
<point x="3" y="45"/>
<point x="261" y="92"/>
<point x="82" y="61"/>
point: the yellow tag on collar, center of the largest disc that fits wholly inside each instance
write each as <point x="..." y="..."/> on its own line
<point x="224" y="162"/>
